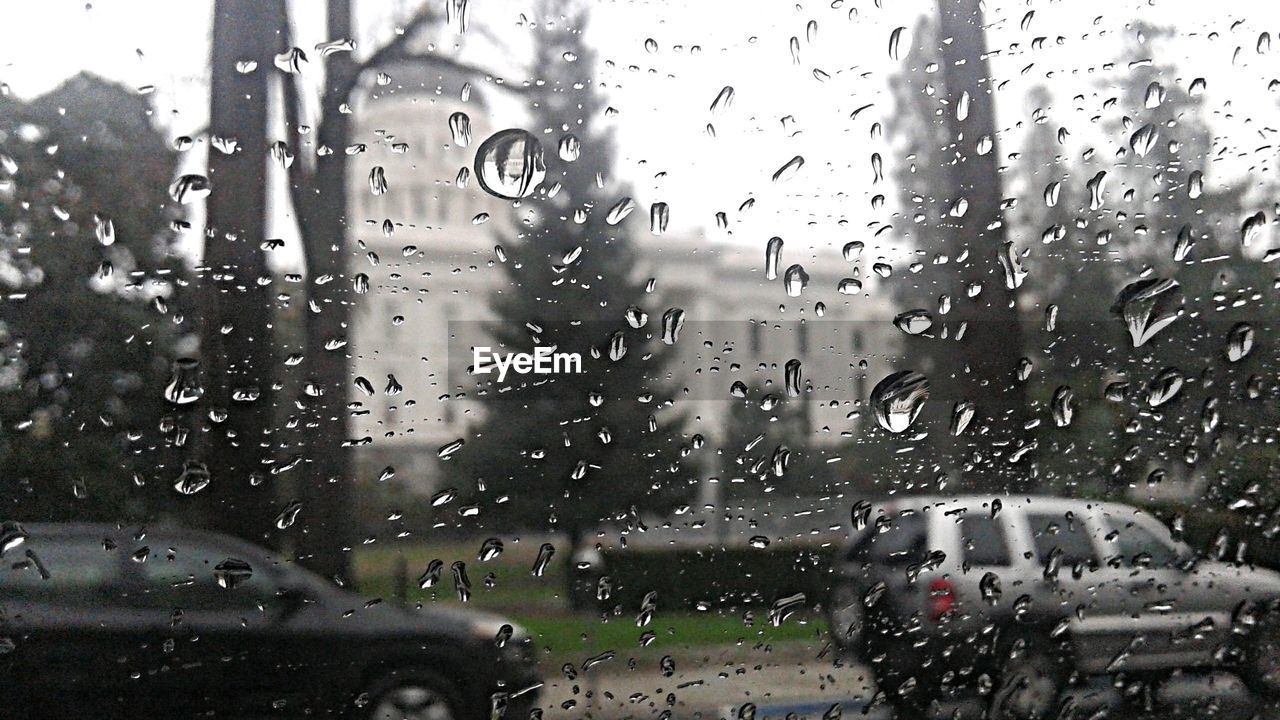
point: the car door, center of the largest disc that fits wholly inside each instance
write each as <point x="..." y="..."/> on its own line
<point x="1066" y="539"/>
<point x="210" y="613"/>
<point x="1179" y="619"/>
<point x="71" y="640"/>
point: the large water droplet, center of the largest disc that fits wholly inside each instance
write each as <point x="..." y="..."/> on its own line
<point x="914" y="322"/>
<point x="1148" y="306"/>
<point x="788" y="169"/>
<point x="1251" y="227"/>
<point x="231" y="573"/>
<point x="895" y="39"/>
<point x="897" y="399"/>
<point x="620" y="211"/>
<point x="193" y="479"/>
<point x="189" y="188"/>
<point x="289" y="515"/>
<point x="1063" y="406"/>
<point x="795" y="280"/>
<point x="1011" y="263"/>
<point x="184" y="387"/>
<point x="460" y="129"/>
<point x="792" y="376"/>
<point x="509" y="164"/>
<point x="570" y="147"/>
<point x="961" y="415"/>
<point x="1239" y="342"/>
<point x="1164" y="387"/>
<point x="659" y="216"/>
<point x="723" y="100"/>
<point x="672" y="322"/>
<point x="1144" y="139"/>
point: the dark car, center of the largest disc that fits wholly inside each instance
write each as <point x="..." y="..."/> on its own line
<point x="179" y="623"/>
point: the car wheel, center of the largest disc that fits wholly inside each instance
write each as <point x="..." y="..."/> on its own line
<point x="411" y="695"/>
<point x="1029" y="684"/>
<point x="1261" y="671"/>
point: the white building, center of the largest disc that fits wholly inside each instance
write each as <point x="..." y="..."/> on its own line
<point x="438" y="264"/>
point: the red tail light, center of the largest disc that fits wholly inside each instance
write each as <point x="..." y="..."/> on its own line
<point x="942" y="599"/>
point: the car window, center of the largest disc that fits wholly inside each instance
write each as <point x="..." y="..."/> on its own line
<point x="982" y="540"/>
<point x="1064" y="536"/>
<point x="896" y="540"/>
<point x="193" y="576"/>
<point x="62" y="570"/>
<point x="1138" y="546"/>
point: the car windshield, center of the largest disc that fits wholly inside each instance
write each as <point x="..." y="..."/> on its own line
<point x="550" y="359"/>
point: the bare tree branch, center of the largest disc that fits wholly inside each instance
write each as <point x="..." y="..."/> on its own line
<point x="397" y="50"/>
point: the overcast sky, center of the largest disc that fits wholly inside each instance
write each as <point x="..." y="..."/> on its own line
<point x="663" y="95"/>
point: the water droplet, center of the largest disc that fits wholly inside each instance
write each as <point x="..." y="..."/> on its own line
<point x="1144" y="139"/>
<point x="659" y="216"/>
<point x="1251" y="227"/>
<point x="1239" y="342"/>
<point x="193" y="479"/>
<point x="789" y="169"/>
<point x="570" y="147"/>
<point x="377" y="180"/>
<point x="636" y="317"/>
<point x="231" y="573"/>
<point x="461" y="583"/>
<point x="450" y="448"/>
<point x="12" y="534"/>
<point x="189" y="188"/>
<point x="291" y="61"/>
<point x="431" y="576"/>
<point x="1182" y="247"/>
<point x="490" y="549"/>
<point x="852" y="250"/>
<point x="1014" y="273"/>
<point x="545" y="553"/>
<point x="772" y="257"/>
<point x="1148" y="306"/>
<point x="724" y="99"/>
<point x="795" y="280"/>
<point x="989" y="588"/>
<point x="914" y="322"/>
<point x="1096" y="186"/>
<point x="1164" y="387"/>
<point x="184" y="387"/>
<point x="672" y="321"/>
<point x="1195" y="184"/>
<point x="104" y="230"/>
<point x="393" y="386"/>
<point x="860" y="515"/>
<point x="1154" y="95"/>
<point x="758" y="542"/>
<point x="895" y="39"/>
<point x="460" y="129"/>
<point x="782" y="609"/>
<point x="457" y="14"/>
<point x="620" y="211"/>
<point x="792" y="377"/>
<point x="510" y="164"/>
<point x="849" y="286"/>
<point x="289" y="515"/>
<point x="961" y="415"/>
<point x="1063" y="406"/>
<point x="897" y="399"/>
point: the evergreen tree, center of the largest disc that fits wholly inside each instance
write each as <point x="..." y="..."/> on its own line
<point x="92" y="306"/>
<point x="573" y="450"/>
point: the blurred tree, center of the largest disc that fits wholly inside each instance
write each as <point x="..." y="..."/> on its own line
<point x="93" y="300"/>
<point x="571" y="451"/>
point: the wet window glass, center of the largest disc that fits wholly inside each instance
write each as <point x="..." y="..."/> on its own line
<point x="548" y="359"/>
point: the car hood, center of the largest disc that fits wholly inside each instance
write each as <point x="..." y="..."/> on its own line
<point x="354" y="614"/>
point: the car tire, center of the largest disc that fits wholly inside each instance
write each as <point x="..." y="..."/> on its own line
<point x="1261" y="668"/>
<point x="411" y="694"/>
<point x="1029" y="681"/>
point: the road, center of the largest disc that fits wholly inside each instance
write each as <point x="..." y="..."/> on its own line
<point x="742" y="682"/>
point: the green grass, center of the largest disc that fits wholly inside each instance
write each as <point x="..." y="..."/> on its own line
<point x="538" y="604"/>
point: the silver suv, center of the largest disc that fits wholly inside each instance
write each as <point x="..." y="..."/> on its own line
<point x="1020" y="597"/>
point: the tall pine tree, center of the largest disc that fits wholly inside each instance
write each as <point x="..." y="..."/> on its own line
<point x="574" y="450"/>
